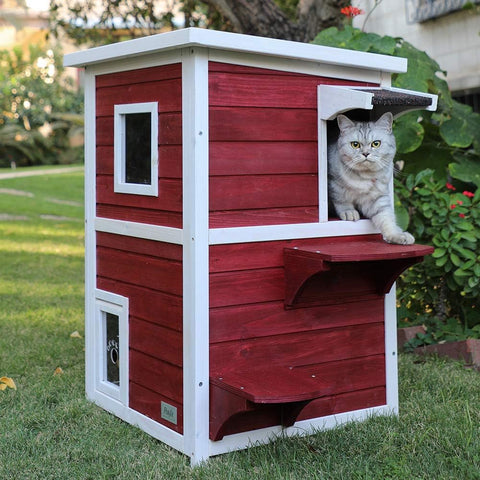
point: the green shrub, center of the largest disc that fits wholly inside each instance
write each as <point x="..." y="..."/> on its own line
<point x="40" y="110"/>
<point x="437" y="149"/>
<point x="444" y="290"/>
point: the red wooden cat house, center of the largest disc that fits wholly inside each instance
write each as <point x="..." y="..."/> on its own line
<point x="223" y="306"/>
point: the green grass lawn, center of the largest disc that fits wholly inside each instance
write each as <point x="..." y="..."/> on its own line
<point x="49" y="431"/>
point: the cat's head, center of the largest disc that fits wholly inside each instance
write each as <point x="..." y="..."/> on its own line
<point x="366" y="146"/>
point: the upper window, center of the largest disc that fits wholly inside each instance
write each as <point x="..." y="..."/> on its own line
<point x="136" y="148"/>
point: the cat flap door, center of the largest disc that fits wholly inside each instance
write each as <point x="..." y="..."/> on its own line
<point x="333" y="100"/>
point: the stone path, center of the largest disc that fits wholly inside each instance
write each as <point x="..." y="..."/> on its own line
<point x="33" y="173"/>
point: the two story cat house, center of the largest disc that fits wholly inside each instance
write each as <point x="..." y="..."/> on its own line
<point x="223" y="306"/>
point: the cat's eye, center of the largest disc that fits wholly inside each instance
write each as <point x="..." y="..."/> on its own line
<point x="355" y="145"/>
<point x="376" y="143"/>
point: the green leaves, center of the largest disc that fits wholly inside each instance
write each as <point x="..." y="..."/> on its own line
<point x="467" y="169"/>
<point x="448" y="219"/>
<point x="459" y="125"/>
<point x="423" y="139"/>
<point x="354" y="39"/>
<point x="408" y="132"/>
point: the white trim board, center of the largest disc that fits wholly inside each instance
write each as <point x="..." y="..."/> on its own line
<point x="191" y="37"/>
<point x="196" y="375"/>
<point x="120" y="157"/>
<point x="151" y="427"/>
<point x="266" y="233"/>
<point x="139" y="230"/>
<point x="311" y="426"/>
<point x="105" y="303"/>
<point x="320" y="69"/>
<point x="90" y="237"/>
<point x="219" y="236"/>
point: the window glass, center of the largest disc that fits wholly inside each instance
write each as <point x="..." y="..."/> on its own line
<point x="138" y="148"/>
<point x="112" y="350"/>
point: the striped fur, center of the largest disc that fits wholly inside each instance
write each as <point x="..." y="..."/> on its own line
<point x="360" y="167"/>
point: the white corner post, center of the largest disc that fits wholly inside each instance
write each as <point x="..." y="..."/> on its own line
<point x="391" y="350"/>
<point x="90" y="238"/>
<point x="195" y="254"/>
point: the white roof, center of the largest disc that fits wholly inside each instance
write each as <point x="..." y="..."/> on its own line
<point x="235" y="42"/>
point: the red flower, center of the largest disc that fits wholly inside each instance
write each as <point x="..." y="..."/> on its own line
<point x="459" y="202"/>
<point x="453" y="206"/>
<point x="461" y="215"/>
<point x="351" y="11"/>
<point x="468" y="194"/>
<point x="450" y="186"/>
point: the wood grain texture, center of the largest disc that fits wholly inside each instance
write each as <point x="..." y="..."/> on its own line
<point x="143" y="246"/>
<point x="286" y="385"/>
<point x="251" y="286"/>
<point x="263" y="124"/>
<point x="141" y="215"/>
<point x="154" y="273"/>
<point x="163" y="72"/>
<point x="265" y="191"/>
<point x="169" y="129"/>
<point x="254" y="273"/>
<point x="147" y="304"/>
<point x="162" y="84"/>
<point x="156" y="341"/>
<point x="362" y="249"/>
<point x="363" y="267"/>
<point x="161" y="377"/>
<point x="346" y="402"/>
<point x="167" y="93"/>
<point x="271" y="319"/>
<point x="169" y="161"/>
<point x="169" y="195"/>
<point x="149" y="402"/>
<point x="263" y="216"/>
<point x="271" y="366"/>
<point x="263" y="158"/>
<point x="297" y="349"/>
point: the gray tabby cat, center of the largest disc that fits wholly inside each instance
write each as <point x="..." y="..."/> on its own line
<point x="360" y="167"/>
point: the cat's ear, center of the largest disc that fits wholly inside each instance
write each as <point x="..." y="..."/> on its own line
<point x="385" y="122"/>
<point x="344" y="123"/>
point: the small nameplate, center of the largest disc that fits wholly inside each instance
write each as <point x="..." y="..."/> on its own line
<point x="169" y="413"/>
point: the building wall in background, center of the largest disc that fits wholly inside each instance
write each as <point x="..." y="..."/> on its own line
<point x="452" y="39"/>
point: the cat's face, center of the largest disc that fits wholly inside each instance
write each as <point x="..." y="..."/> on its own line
<point x="366" y="146"/>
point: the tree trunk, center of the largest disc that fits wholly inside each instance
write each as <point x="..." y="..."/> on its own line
<point x="264" y="18"/>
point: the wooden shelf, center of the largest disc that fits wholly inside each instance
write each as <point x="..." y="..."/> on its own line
<point x="341" y="271"/>
<point x="278" y="385"/>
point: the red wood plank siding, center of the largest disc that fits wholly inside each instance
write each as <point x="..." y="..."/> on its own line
<point x="263" y="146"/>
<point x="265" y="319"/>
<point x="149" y="403"/>
<point x="299" y="349"/>
<point x="251" y="332"/>
<point x="149" y="273"/>
<point x="161" y="84"/>
<point x="346" y="402"/>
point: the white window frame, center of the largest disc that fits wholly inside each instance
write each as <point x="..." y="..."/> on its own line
<point x="120" y="183"/>
<point x="114" y="304"/>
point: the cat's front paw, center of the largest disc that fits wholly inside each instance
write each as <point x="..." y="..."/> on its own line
<point x="403" y="238"/>
<point x="350" y="215"/>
